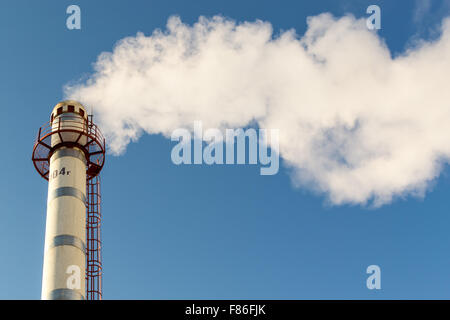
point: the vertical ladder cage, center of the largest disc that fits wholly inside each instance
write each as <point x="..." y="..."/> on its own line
<point x="93" y="240"/>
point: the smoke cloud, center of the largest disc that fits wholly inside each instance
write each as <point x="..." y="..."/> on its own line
<point x="356" y="124"/>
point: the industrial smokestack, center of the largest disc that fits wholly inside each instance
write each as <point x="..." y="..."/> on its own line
<point x="69" y="153"/>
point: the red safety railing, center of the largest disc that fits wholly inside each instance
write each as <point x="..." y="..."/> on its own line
<point x="72" y="131"/>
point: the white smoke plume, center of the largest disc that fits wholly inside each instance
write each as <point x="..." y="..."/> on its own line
<point x="355" y="123"/>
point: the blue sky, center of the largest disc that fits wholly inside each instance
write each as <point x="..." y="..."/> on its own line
<point x="204" y="232"/>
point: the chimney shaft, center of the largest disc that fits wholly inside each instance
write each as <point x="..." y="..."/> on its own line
<point x="69" y="151"/>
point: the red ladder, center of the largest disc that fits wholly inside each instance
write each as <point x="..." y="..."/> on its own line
<point x="93" y="240"/>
